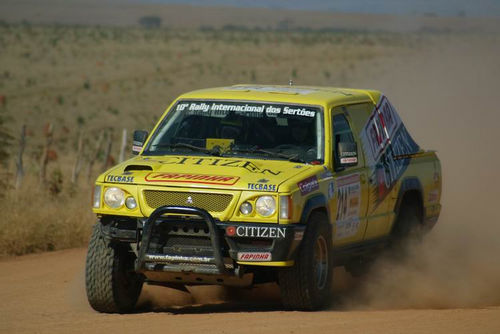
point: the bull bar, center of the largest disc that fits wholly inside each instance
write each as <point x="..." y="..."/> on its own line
<point x="175" y="262"/>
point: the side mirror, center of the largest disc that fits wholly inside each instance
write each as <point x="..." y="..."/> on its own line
<point x="347" y="154"/>
<point x="140" y="137"/>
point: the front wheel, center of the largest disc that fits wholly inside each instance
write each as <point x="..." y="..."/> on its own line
<point x="307" y="285"/>
<point x="112" y="284"/>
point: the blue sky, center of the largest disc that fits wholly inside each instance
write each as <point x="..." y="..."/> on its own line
<point x="418" y="7"/>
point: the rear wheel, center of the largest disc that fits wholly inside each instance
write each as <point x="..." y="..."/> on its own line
<point x="111" y="282"/>
<point x="407" y="228"/>
<point x="408" y="223"/>
<point x="307" y="285"/>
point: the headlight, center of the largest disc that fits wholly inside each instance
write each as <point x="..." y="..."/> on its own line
<point x="130" y="203"/>
<point x="246" y="208"/>
<point x="96" y="200"/>
<point x="265" y="206"/>
<point x="114" y="197"/>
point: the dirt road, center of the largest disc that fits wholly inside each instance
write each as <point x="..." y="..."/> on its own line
<point x="451" y="283"/>
<point x="44" y="293"/>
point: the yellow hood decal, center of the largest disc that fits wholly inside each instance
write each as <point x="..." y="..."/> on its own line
<point x="206" y="172"/>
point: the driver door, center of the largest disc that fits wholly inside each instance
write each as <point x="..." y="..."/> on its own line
<point x="350" y="196"/>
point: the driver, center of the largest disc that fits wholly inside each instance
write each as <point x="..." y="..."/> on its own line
<point x="191" y="127"/>
<point x="231" y="128"/>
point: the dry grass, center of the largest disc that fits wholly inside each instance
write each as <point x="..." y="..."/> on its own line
<point x="97" y="77"/>
<point x="33" y="220"/>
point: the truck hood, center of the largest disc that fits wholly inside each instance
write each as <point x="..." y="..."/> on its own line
<point x="205" y="172"/>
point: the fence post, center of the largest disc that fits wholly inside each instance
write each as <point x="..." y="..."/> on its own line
<point x="107" y="153"/>
<point x="123" y="146"/>
<point x="78" y="163"/>
<point x="19" y="162"/>
<point x="94" y="157"/>
<point x="45" y="155"/>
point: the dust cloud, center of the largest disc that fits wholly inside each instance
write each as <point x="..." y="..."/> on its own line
<point x="447" y="96"/>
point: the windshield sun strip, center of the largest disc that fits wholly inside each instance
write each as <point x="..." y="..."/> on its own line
<point x="172" y="111"/>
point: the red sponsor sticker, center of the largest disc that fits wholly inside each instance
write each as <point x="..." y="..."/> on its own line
<point x="308" y="185"/>
<point x="299" y="235"/>
<point x="254" y="256"/>
<point x="352" y="160"/>
<point x="192" y="178"/>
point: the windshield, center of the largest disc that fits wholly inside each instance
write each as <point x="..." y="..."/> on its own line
<point x="229" y="128"/>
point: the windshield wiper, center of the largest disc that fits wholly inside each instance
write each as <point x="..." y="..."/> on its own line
<point x="253" y="150"/>
<point x="189" y="146"/>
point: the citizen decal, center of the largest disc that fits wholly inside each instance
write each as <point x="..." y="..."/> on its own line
<point x="256" y="232"/>
<point x="236" y="163"/>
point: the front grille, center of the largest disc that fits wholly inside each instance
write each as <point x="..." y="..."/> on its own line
<point x="209" y="202"/>
<point x="178" y="241"/>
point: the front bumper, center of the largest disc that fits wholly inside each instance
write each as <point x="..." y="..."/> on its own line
<point x="190" y="240"/>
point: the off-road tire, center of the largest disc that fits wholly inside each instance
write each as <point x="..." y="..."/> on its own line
<point x="407" y="229"/>
<point x="111" y="283"/>
<point x="408" y="224"/>
<point x="300" y="286"/>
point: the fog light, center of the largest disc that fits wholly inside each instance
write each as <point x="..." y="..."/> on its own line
<point x="130" y="203"/>
<point x="246" y="208"/>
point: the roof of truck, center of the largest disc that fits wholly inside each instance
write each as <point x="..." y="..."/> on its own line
<point x="281" y="93"/>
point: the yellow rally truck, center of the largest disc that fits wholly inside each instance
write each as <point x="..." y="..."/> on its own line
<point x="252" y="184"/>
